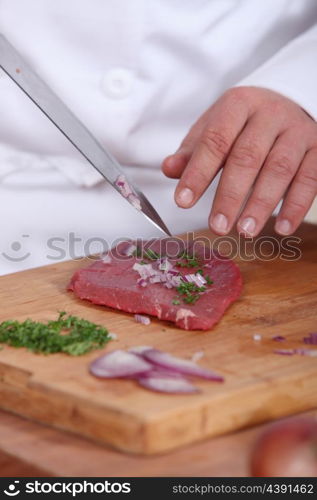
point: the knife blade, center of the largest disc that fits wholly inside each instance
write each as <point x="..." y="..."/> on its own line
<point x="73" y="129"/>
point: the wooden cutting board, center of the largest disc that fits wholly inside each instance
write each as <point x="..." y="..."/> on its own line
<point x="279" y="298"/>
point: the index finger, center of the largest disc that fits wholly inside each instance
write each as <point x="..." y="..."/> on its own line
<point x="227" y="119"/>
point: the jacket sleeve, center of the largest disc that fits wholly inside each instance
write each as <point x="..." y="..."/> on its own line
<point x="292" y="71"/>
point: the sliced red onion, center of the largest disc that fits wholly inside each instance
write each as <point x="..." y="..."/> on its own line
<point x="311" y="339"/>
<point x="167" y="384"/>
<point x="145" y="320"/>
<point x="158" y="371"/>
<point x="179" y="365"/>
<point x="140" y="349"/>
<point x="119" y="363"/>
<point x="278" y="338"/>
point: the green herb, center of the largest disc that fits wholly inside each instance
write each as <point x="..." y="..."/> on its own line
<point x="209" y="281"/>
<point x="191" y="299"/>
<point x="150" y="254"/>
<point x="68" y="334"/>
<point x="145" y="254"/>
<point x="199" y="271"/>
<point x="137" y="252"/>
<point x="190" y="292"/>
<point x="189" y="260"/>
<point x="176" y="302"/>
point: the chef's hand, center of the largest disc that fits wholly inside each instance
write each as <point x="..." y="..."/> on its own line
<point x="267" y="146"/>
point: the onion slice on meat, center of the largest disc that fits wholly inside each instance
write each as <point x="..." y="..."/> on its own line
<point x="119" y="363"/>
<point x="179" y="365"/>
<point x="165" y="383"/>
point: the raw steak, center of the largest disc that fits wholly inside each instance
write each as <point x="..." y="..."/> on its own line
<point x="112" y="281"/>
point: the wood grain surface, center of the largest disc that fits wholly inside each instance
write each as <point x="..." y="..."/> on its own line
<point x="31" y="449"/>
<point x="279" y="298"/>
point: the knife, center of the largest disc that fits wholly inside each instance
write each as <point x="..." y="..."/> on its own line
<point x="53" y="107"/>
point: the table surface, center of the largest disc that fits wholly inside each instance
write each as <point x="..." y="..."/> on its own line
<point x="28" y="449"/>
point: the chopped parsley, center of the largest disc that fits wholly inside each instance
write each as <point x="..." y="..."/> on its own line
<point x="137" y="252"/>
<point x="190" y="292"/>
<point x="151" y="255"/>
<point x="68" y="334"/>
<point x="188" y="260"/>
<point x="145" y="254"/>
<point x="176" y="302"/>
<point x="209" y="281"/>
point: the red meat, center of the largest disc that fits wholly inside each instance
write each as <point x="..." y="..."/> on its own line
<point x="113" y="282"/>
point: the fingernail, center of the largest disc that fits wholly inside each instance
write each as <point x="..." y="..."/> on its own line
<point x="248" y="225"/>
<point x="185" y="197"/>
<point x="283" y="226"/>
<point x="220" y="223"/>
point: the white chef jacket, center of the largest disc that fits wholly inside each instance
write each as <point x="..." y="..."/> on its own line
<point x="138" y="74"/>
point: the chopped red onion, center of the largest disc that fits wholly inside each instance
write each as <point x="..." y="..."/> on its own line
<point x="311" y="339"/>
<point x="107" y="259"/>
<point x="197" y="279"/>
<point x="306" y="352"/>
<point x="300" y="351"/>
<point x="167" y="384"/>
<point x="144" y="270"/>
<point x="119" y="363"/>
<point x="123" y="186"/>
<point x="155" y="279"/>
<point x="257" y="337"/>
<point x="112" y="335"/>
<point x="278" y="338"/>
<point x="145" y="320"/>
<point x="197" y="356"/>
<point x="128" y="192"/>
<point x="285" y="352"/>
<point x="183" y="366"/>
<point x="142" y="282"/>
<point x="130" y="249"/>
<point x="165" y="265"/>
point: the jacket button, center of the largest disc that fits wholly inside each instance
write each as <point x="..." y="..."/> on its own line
<point x="117" y="83"/>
